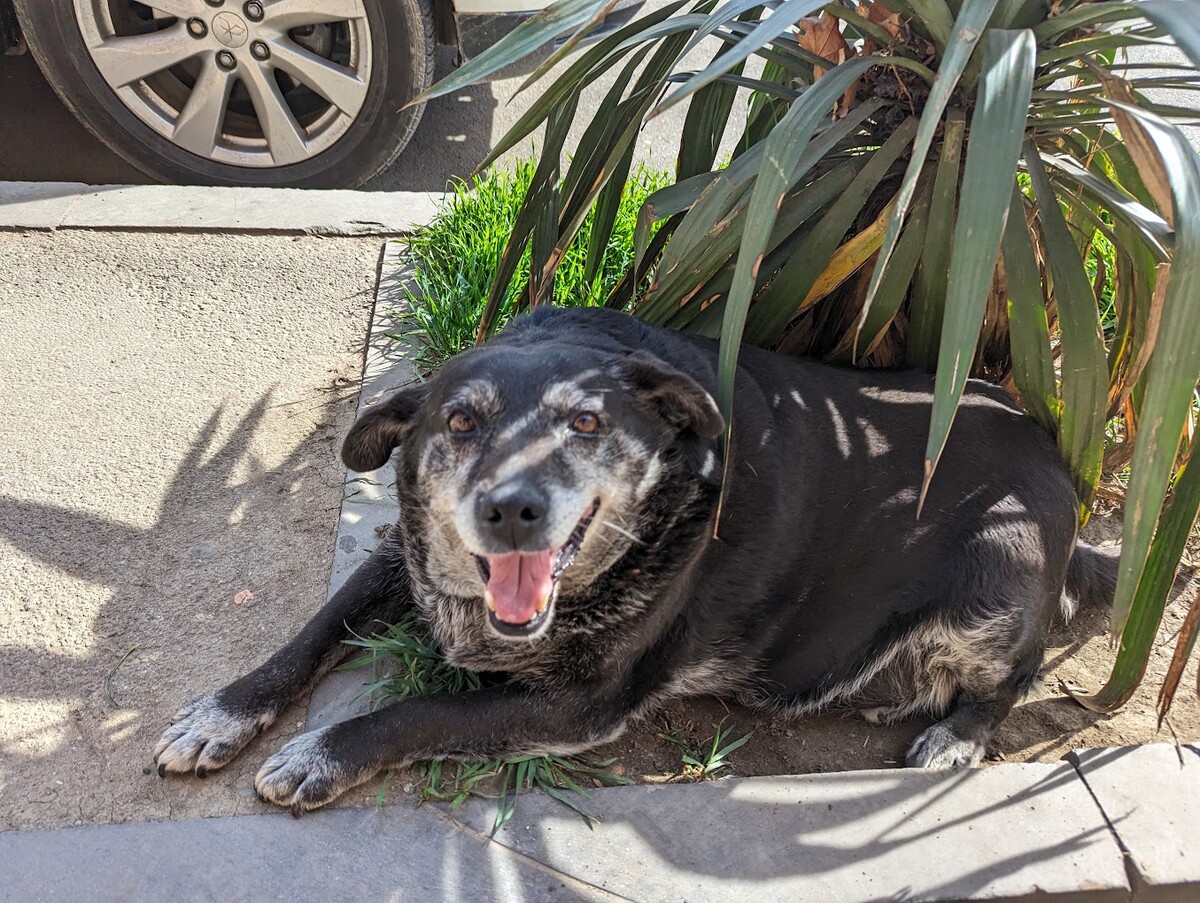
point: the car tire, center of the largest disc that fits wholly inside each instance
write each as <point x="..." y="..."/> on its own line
<point x="320" y="147"/>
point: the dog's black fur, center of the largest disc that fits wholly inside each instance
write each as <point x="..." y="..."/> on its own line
<point x="821" y="587"/>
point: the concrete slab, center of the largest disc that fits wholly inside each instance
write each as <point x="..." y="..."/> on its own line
<point x="1014" y="832"/>
<point x="193" y="208"/>
<point x="1151" y="796"/>
<point x="344" y="855"/>
<point x="369" y="502"/>
<point x="37" y="205"/>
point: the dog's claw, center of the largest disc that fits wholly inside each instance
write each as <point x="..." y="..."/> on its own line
<point x="204" y="736"/>
<point x="306" y="774"/>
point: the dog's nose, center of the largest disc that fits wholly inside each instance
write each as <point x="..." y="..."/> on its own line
<point x="513" y="513"/>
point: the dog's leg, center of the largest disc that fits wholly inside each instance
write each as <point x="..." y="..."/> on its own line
<point x="209" y="732"/>
<point x="960" y="739"/>
<point x="317" y="767"/>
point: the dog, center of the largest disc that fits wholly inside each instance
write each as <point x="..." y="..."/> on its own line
<point x="562" y="524"/>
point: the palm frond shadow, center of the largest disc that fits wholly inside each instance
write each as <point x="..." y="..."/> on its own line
<point x="787" y="827"/>
<point x="171" y="584"/>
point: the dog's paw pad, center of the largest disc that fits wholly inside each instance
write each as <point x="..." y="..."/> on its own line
<point x="205" y="736"/>
<point x="305" y="774"/>
<point x="940" y="747"/>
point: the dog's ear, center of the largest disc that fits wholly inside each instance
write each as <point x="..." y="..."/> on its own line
<point x="370" y="441"/>
<point x="679" y="400"/>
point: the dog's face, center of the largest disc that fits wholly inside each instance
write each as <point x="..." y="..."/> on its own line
<point x="532" y="465"/>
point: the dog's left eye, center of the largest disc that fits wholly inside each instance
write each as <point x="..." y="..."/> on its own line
<point x="586" y="422"/>
<point x="461" y="422"/>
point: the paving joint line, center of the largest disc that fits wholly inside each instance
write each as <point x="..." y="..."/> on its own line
<point x="1132" y="875"/>
<point x="52" y="206"/>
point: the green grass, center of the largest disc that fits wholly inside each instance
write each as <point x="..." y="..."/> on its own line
<point x="416" y="668"/>
<point x="704" y="763"/>
<point x="1102" y="250"/>
<point x="455" y="257"/>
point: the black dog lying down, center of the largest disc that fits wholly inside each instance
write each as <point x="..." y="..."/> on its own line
<point x="558" y="490"/>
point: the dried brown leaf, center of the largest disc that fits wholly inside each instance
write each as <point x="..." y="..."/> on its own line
<point x="885" y="19"/>
<point x="823" y="36"/>
<point x="1120" y="390"/>
<point x="1145" y="155"/>
<point x="1183" y="648"/>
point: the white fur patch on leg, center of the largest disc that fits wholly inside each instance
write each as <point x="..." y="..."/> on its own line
<point x="940" y="747"/>
<point x="1068" y="606"/>
<point x="205" y="736"/>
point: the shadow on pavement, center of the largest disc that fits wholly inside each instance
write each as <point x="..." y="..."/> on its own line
<point x="86" y="710"/>
<point x="840" y="836"/>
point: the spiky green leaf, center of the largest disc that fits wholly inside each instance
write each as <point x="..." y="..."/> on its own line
<point x="553" y="22"/>
<point x="972" y="19"/>
<point x="994" y="146"/>
<point x="1033" y="361"/>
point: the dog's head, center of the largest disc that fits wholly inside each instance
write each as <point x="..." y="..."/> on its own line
<point x="531" y="465"/>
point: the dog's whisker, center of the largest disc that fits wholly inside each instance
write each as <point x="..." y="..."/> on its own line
<point x="622" y="531"/>
<point x="619" y="515"/>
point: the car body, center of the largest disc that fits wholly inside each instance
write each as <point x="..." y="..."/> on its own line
<point x="304" y="93"/>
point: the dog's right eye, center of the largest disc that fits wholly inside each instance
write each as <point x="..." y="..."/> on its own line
<point x="461" y="422"/>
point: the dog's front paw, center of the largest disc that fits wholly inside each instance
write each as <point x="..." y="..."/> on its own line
<point x="940" y="747"/>
<point x="307" y="773"/>
<point x="205" y="735"/>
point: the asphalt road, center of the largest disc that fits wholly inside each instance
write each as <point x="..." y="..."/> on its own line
<point x="40" y="140"/>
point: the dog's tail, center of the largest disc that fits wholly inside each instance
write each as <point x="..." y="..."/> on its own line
<point x="1091" y="578"/>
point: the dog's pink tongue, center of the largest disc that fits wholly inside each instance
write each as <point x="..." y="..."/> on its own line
<point x="520" y="585"/>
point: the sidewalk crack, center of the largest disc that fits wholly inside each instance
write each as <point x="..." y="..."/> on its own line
<point x="565" y="877"/>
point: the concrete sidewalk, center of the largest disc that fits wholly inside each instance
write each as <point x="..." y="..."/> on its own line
<point x="1068" y="832"/>
<point x="172" y="407"/>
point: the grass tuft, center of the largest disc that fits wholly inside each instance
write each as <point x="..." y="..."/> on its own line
<point x="455" y="257"/>
<point x="703" y="764"/>
<point x="414" y="666"/>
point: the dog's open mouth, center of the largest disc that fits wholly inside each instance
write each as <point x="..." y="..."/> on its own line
<point x="520" y="585"/>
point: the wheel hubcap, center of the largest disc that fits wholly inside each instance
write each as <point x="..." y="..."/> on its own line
<point x="230" y="30"/>
<point x="273" y="87"/>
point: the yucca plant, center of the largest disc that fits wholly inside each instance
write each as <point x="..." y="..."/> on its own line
<point x="921" y="183"/>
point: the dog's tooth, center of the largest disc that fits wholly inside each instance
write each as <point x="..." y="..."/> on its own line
<point x="489" y="599"/>
<point x="543" y="603"/>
